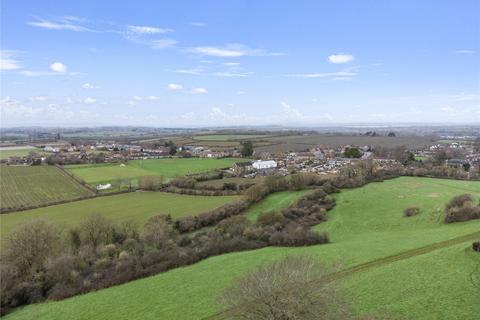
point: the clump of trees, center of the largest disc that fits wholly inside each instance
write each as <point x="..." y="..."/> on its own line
<point x="363" y="172"/>
<point x="461" y="208"/>
<point x="295" y="287"/>
<point x="411" y="211"/>
<point x="246" y="149"/>
<point x="41" y="261"/>
<point x="353" y="153"/>
<point x="151" y="183"/>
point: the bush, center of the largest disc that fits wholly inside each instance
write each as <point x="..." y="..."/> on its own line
<point x="152" y="183"/>
<point x="476" y="246"/>
<point x="184" y="182"/>
<point x="465" y="213"/>
<point x="270" y="218"/>
<point x="411" y="211"/>
<point x="459" y="201"/>
<point x="284" y="290"/>
<point x="460" y="208"/>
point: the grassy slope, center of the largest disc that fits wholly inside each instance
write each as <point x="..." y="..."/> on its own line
<point x="364" y="227"/>
<point x="440" y="289"/>
<point x="274" y="202"/>
<point x="138" y="168"/>
<point x="37" y="185"/>
<point x="137" y="205"/>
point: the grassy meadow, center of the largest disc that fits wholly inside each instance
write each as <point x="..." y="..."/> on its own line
<point x="138" y="206"/>
<point x="7" y="152"/>
<point x="24" y="186"/>
<point x="168" y="167"/>
<point x="367" y="229"/>
<point x="275" y="202"/>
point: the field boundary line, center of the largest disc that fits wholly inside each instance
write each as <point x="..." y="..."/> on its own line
<point x="372" y="265"/>
<point x="80" y="182"/>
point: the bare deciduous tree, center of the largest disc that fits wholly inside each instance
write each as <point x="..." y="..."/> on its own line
<point x="96" y="230"/>
<point x="29" y="245"/>
<point x="289" y="289"/>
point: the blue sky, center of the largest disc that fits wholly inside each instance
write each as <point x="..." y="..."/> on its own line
<point x="201" y="63"/>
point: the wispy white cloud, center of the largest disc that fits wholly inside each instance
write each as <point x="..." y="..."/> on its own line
<point x="202" y="71"/>
<point x="199" y="91"/>
<point x="89" y="100"/>
<point x="13" y="112"/>
<point x="340" y="58"/>
<point x="291" y="112"/>
<point x="38" y="98"/>
<point x="163" y="43"/>
<point x="62" y="23"/>
<point x="198" y="24"/>
<point x="7" y="60"/>
<point x="89" y="86"/>
<point x="465" y="51"/>
<point x="174" y="87"/>
<point x="147" y="30"/>
<point x="447" y="109"/>
<point x="234" y="50"/>
<point x="340" y="74"/>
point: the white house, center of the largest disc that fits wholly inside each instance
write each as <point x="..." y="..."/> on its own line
<point x="264" y="165"/>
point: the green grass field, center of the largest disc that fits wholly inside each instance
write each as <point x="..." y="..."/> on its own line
<point x="8" y="152"/>
<point x="22" y="186"/>
<point x="274" y="202"/>
<point x="169" y="168"/>
<point x="369" y="234"/>
<point x="138" y="206"/>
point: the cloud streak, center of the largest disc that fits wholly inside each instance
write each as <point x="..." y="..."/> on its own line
<point x="234" y="50"/>
<point x="63" y="23"/>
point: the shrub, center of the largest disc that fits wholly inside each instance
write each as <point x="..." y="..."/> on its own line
<point x="465" y="213"/>
<point x="460" y="208"/>
<point x="184" y="182"/>
<point x="459" y="201"/>
<point x="152" y="183"/>
<point x="284" y="290"/>
<point x="411" y="211"/>
<point x="270" y="218"/>
<point x="476" y="246"/>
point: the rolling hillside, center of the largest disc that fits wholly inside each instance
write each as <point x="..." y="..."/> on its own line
<point x="415" y="267"/>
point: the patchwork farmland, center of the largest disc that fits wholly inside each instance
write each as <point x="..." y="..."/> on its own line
<point x="383" y="254"/>
<point x="27" y="186"/>
<point x="135" y="206"/>
<point x="135" y="169"/>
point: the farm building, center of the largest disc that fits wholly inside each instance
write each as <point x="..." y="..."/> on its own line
<point x="104" y="186"/>
<point x="264" y="165"/>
